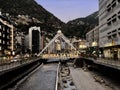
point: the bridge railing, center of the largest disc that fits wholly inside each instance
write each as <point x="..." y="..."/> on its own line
<point x="59" y="56"/>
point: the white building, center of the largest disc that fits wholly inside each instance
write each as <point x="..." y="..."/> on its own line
<point x="34" y="39"/>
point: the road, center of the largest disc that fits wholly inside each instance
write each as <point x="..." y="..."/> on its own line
<point x="85" y="81"/>
<point x="43" y="79"/>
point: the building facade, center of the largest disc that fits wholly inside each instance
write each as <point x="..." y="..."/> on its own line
<point x="35" y="39"/>
<point x="20" y="46"/>
<point x="109" y="28"/>
<point x="6" y="37"/>
<point x="92" y="39"/>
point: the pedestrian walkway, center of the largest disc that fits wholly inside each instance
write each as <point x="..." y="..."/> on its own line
<point x="107" y="62"/>
<point x="85" y="81"/>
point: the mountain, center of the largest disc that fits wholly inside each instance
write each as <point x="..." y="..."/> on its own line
<point x="27" y="12"/>
<point x="79" y="27"/>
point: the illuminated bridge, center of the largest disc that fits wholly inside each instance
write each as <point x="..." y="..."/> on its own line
<point x="59" y="47"/>
<point x="34" y="73"/>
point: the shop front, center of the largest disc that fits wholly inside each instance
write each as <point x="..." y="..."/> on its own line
<point x="112" y="52"/>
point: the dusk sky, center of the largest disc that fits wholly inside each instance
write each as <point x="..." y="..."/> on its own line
<point x="67" y="10"/>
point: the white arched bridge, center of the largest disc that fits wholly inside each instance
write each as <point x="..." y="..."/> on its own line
<point x="59" y="47"/>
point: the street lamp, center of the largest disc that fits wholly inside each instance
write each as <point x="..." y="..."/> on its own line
<point x="13" y="53"/>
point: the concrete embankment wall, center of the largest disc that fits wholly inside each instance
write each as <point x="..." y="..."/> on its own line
<point x="12" y="76"/>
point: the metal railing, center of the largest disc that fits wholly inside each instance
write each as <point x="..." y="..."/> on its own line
<point x="6" y="64"/>
<point x="110" y="61"/>
<point x="107" y="61"/>
<point x="57" y="77"/>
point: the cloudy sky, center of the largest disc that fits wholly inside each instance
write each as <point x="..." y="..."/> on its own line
<point x="67" y="10"/>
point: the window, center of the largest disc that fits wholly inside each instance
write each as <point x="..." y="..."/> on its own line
<point x="108" y="7"/>
<point x="108" y="19"/>
<point x="0" y="48"/>
<point x="114" y="31"/>
<point x="3" y="28"/>
<point x="7" y="37"/>
<point x="109" y="33"/>
<point x="118" y="29"/>
<point x="109" y="37"/>
<point x="113" y="4"/>
<point x="114" y="19"/>
<point x="0" y="33"/>
<point x="3" y="35"/>
<point x="8" y="31"/>
<point x="113" y="1"/>
<point x="119" y="33"/>
<point x="7" y="43"/>
<point x="3" y="42"/>
<point x="0" y="41"/>
<point x="109" y="23"/>
<point x="114" y="16"/>
<point x="114" y="35"/>
<point x="119" y="15"/>
<point x="118" y="1"/>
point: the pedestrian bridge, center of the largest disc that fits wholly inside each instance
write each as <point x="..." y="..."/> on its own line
<point x="60" y="47"/>
<point x="60" y="56"/>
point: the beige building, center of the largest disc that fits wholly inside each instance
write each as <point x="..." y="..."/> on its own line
<point x="92" y="37"/>
<point x="109" y="28"/>
<point x="6" y="36"/>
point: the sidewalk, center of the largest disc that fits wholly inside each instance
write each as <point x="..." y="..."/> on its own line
<point x="84" y="80"/>
<point x="107" y="62"/>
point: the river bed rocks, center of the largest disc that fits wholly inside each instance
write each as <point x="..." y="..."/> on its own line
<point x="66" y="79"/>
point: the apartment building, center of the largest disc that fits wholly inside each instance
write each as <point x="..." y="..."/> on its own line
<point x="6" y="36"/>
<point x="109" y="28"/>
<point x="92" y="37"/>
<point x="20" y="45"/>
